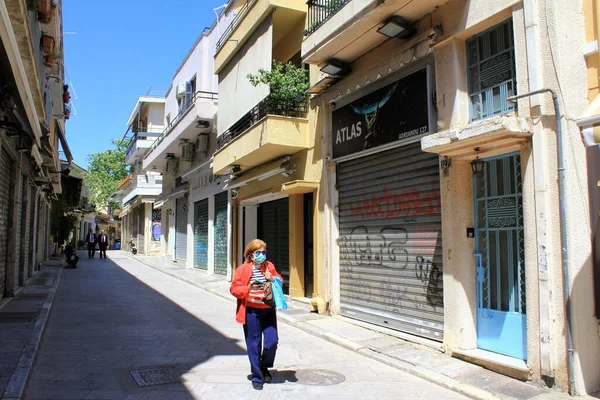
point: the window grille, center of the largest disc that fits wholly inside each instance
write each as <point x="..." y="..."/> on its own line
<point x="491" y="71"/>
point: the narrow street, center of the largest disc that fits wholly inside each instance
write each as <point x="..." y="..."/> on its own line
<point x="111" y="317"/>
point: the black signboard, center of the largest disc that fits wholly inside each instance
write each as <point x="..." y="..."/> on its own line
<point x="396" y="111"/>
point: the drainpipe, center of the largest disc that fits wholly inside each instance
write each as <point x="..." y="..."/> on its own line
<point x="563" y="228"/>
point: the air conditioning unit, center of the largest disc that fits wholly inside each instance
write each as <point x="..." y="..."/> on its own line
<point x="188" y="152"/>
<point x="172" y="166"/>
<point x="180" y="90"/>
<point x="202" y="143"/>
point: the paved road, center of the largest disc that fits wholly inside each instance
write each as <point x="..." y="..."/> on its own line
<point x="117" y="315"/>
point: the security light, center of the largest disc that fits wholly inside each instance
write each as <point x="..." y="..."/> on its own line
<point x="397" y="27"/>
<point x="336" y="67"/>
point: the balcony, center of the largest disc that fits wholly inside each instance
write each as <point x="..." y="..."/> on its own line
<point x="144" y="186"/>
<point x="198" y="117"/>
<point x="267" y="132"/>
<point x="334" y="26"/>
<point x="248" y="19"/>
<point x="140" y="143"/>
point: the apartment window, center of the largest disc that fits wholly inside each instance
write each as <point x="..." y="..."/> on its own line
<point x="491" y="71"/>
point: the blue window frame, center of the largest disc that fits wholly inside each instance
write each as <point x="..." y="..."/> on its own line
<point x="491" y="71"/>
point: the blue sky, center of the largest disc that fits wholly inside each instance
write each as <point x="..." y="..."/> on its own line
<point x="115" y="51"/>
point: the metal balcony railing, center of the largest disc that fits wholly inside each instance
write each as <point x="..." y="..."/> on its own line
<point x="184" y="110"/>
<point x="319" y="12"/>
<point x="266" y="107"/>
<point x="236" y="21"/>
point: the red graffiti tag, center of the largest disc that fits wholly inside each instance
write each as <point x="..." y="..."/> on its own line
<point x="408" y="203"/>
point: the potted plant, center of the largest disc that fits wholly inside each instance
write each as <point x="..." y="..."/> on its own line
<point x="47" y="43"/>
<point x="66" y="97"/>
<point x="46" y="17"/>
<point x="67" y="113"/>
<point x="33" y="5"/>
<point x="50" y="59"/>
<point x="44" y="6"/>
<point x="287" y="86"/>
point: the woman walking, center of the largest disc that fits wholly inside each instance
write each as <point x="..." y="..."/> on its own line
<point x="258" y="318"/>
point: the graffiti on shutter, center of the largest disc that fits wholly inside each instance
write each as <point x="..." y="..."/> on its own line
<point x="201" y="234"/>
<point x="390" y="241"/>
<point x="220" y="234"/>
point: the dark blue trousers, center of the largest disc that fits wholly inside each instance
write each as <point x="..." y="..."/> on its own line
<point x="260" y="322"/>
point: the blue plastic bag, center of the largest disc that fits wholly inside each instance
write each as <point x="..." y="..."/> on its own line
<point x="280" y="302"/>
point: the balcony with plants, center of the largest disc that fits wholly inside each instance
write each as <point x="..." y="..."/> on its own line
<point x="277" y="126"/>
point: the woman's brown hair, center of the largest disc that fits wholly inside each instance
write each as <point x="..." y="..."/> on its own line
<point x="253" y="246"/>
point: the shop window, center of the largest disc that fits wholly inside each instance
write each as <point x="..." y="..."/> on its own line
<point x="491" y="71"/>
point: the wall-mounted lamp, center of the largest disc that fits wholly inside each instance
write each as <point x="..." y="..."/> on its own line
<point x="170" y="211"/>
<point x="170" y="156"/>
<point x="397" y="27"/>
<point x="446" y="163"/>
<point x="184" y="207"/>
<point x="336" y="67"/>
<point x="477" y="164"/>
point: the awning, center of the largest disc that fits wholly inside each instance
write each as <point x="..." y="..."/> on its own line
<point x="590" y="123"/>
<point x="299" y="187"/>
<point x="178" y="191"/>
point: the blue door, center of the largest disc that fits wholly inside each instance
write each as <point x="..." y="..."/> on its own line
<point x="500" y="255"/>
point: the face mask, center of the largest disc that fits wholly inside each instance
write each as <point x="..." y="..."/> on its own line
<point x="260" y="257"/>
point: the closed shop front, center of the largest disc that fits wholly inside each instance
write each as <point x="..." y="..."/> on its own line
<point x="20" y="243"/>
<point x="32" y="230"/>
<point x="5" y="213"/>
<point x="390" y="249"/>
<point x="181" y="220"/>
<point x="273" y="229"/>
<point x="141" y="224"/>
<point x="201" y="234"/>
<point x="220" y="232"/>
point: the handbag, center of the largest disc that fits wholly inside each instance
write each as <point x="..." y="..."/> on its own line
<point x="268" y="298"/>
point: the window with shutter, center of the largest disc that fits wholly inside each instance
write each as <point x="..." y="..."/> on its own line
<point x="491" y="71"/>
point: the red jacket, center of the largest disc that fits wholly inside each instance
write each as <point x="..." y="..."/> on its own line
<point x="239" y="286"/>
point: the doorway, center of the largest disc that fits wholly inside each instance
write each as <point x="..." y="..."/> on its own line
<point x="500" y="255"/>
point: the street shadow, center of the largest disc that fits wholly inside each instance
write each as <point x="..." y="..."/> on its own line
<point x="106" y="324"/>
<point x="280" y="376"/>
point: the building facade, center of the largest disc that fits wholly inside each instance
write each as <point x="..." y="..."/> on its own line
<point x="269" y="154"/>
<point x="442" y="191"/>
<point x="194" y="225"/>
<point x="33" y="108"/>
<point x="137" y="193"/>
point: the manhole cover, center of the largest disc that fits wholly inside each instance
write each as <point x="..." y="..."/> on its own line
<point x="153" y="377"/>
<point x="12" y="318"/>
<point x="319" y="377"/>
<point x="38" y="281"/>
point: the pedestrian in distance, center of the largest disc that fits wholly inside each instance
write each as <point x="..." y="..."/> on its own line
<point x="102" y="243"/>
<point x="91" y="239"/>
<point x="258" y="318"/>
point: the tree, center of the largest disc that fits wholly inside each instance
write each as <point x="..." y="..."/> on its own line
<point x="288" y="85"/>
<point x="106" y="170"/>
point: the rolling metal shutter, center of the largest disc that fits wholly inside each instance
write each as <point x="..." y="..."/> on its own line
<point x="20" y="245"/>
<point x="201" y="234"/>
<point x="141" y="225"/>
<point x="5" y="211"/>
<point x="273" y="229"/>
<point x="220" y="233"/>
<point x="390" y="241"/>
<point x="32" y="230"/>
<point x="26" y="229"/>
<point x="181" y="220"/>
